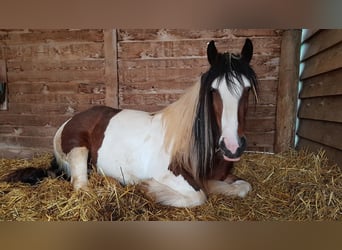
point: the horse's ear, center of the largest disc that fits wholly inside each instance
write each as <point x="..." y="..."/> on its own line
<point x="247" y="51"/>
<point x="211" y="52"/>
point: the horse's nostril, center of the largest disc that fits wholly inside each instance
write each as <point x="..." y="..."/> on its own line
<point x="239" y="150"/>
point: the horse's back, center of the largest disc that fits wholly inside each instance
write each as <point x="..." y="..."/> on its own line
<point x="86" y="129"/>
<point x="132" y="148"/>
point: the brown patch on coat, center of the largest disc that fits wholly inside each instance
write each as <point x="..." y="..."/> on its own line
<point x="218" y="107"/>
<point x="176" y="169"/>
<point x="242" y="112"/>
<point x="221" y="168"/>
<point x="86" y="129"/>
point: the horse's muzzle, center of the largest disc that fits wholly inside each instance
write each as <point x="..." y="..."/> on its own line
<point x="231" y="156"/>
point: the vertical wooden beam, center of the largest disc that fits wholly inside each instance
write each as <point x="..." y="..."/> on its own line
<point x="111" y="68"/>
<point x="3" y="80"/>
<point x="287" y="90"/>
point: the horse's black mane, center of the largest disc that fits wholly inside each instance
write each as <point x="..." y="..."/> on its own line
<point x="206" y="131"/>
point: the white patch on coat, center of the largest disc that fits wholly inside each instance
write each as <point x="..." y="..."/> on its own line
<point x="132" y="148"/>
<point x="164" y="194"/>
<point x="58" y="152"/>
<point x="78" y="160"/>
<point x="133" y="151"/>
<point x="230" y="102"/>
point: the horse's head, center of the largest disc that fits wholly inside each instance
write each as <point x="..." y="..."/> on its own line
<point x="230" y="79"/>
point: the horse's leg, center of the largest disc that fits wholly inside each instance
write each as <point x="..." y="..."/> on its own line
<point x="227" y="187"/>
<point x="222" y="181"/>
<point x="77" y="159"/>
<point x="174" y="191"/>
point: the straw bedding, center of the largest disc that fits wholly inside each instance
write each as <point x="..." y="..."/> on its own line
<point x="298" y="186"/>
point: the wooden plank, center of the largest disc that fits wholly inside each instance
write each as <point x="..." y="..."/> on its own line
<point x="26" y="141"/>
<point x="68" y="51"/>
<point x="161" y="70"/>
<point x="53" y="65"/>
<point x="194" y="48"/>
<point x="182" y="34"/>
<point x="53" y="36"/>
<point x="22" y="152"/>
<point x="325" y="61"/>
<point x="47" y="108"/>
<point x="327" y="133"/>
<point x="63" y="76"/>
<point x="4" y="87"/>
<point x="322" y="108"/>
<point x="325" y="39"/>
<point x="27" y="131"/>
<point x="48" y="120"/>
<point x="58" y="98"/>
<point x="334" y="155"/>
<point x="260" y="124"/>
<point x="111" y="74"/>
<point x="287" y="90"/>
<point x="72" y="87"/>
<point x="264" y="139"/>
<point x="326" y="84"/>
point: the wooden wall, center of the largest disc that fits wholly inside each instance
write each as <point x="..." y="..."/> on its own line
<point x="320" y="112"/>
<point x="52" y="74"/>
<point x="156" y="66"/>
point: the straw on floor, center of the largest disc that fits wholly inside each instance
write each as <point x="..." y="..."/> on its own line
<point x="295" y="186"/>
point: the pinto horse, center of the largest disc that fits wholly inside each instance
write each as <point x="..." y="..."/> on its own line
<point x="178" y="155"/>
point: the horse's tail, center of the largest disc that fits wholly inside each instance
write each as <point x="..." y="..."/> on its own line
<point x="33" y="175"/>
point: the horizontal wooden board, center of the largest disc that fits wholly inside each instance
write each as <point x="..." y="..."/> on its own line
<point x="52" y="36"/>
<point x="325" y="61"/>
<point x="26" y="141"/>
<point x="56" y="65"/>
<point x="321" y="41"/>
<point x="181" y="34"/>
<point x="68" y="51"/>
<point x="48" y="108"/>
<point x="22" y="152"/>
<point x="334" y="155"/>
<point x="65" y="76"/>
<point x="326" y="84"/>
<point x="43" y="120"/>
<point x="27" y="131"/>
<point x="59" y="98"/>
<point x="327" y="133"/>
<point x="322" y="108"/>
<point x="260" y="124"/>
<point x="194" y="48"/>
<point x="19" y="88"/>
<point x="263" y="139"/>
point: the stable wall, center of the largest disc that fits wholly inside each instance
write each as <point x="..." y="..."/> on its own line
<point x="53" y="74"/>
<point x="320" y="111"/>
